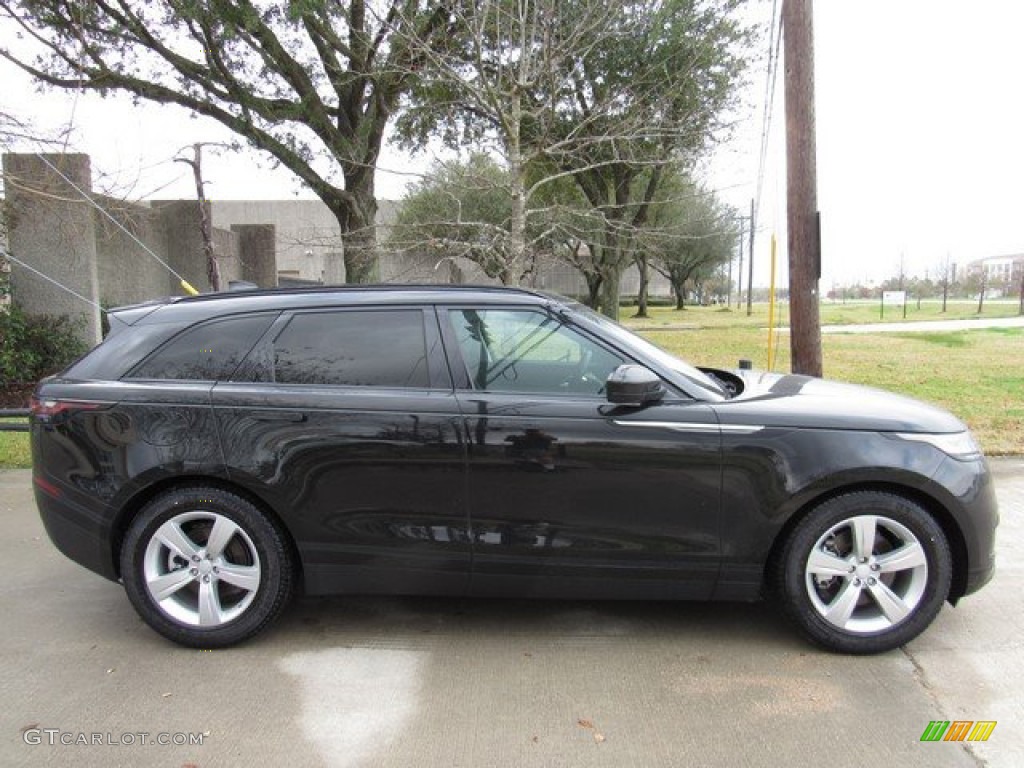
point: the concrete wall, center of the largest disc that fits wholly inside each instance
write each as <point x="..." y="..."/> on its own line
<point x="170" y="229"/>
<point x="127" y="273"/>
<point x="309" y="248"/>
<point x="257" y="249"/>
<point x="66" y="237"/>
<point x="54" y="233"/>
<point x="226" y="245"/>
<point x="99" y="247"/>
<point x="183" y="244"/>
<point x="306" y="230"/>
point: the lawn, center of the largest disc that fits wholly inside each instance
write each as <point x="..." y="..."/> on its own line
<point x="832" y="313"/>
<point x="978" y="375"/>
<point x="14" y="450"/>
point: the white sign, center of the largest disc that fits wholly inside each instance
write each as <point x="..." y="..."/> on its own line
<point x="894" y="298"/>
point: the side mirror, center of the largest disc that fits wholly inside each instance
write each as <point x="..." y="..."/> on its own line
<point x="633" y="385"/>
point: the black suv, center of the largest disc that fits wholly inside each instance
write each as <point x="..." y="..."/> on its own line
<point x="218" y="453"/>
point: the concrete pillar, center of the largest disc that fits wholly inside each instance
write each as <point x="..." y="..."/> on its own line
<point x="52" y="229"/>
<point x="127" y="273"/>
<point x="184" y="243"/>
<point x="257" y="250"/>
<point x="225" y="245"/>
<point x="334" y="268"/>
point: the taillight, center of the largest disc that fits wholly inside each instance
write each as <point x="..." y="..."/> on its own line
<point x="47" y="408"/>
<point x="47" y="486"/>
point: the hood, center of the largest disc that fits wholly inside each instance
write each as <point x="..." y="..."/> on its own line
<point x="778" y="400"/>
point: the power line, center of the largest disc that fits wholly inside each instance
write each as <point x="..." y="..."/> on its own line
<point x="6" y="255"/>
<point x="774" y="43"/>
<point x="116" y="223"/>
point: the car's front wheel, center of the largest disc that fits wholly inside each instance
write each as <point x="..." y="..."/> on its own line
<point x="205" y="568"/>
<point x="864" y="572"/>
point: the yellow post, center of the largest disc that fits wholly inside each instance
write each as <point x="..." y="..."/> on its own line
<point x="771" y="313"/>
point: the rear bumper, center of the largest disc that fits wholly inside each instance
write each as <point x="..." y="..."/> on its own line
<point x="77" y="532"/>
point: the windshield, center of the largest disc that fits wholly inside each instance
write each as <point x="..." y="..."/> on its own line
<point x="656" y="354"/>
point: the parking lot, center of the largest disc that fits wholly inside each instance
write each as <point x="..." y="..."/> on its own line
<point x="436" y="682"/>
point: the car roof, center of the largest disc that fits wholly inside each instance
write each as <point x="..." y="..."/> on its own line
<point x="189" y="309"/>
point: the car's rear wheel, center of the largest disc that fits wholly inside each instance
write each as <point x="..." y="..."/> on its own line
<point x="205" y="568"/>
<point x="865" y="572"/>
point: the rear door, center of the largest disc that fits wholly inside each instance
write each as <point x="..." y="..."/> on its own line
<point x="569" y="495"/>
<point x="346" y="420"/>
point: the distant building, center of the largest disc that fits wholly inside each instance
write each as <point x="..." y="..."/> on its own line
<point x="308" y="234"/>
<point x="999" y="270"/>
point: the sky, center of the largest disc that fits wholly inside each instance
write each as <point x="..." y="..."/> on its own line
<point x="920" y="117"/>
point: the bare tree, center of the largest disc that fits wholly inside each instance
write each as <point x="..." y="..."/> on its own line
<point x="314" y="84"/>
<point x="945" y="271"/>
<point x="212" y="265"/>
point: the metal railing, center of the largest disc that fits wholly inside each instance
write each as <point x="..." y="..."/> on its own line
<point x="14" y="413"/>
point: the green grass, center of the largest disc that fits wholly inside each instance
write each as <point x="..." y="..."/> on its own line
<point x="940" y="339"/>
<point x="14" y="451"/>
<point x="978" y="375"/>
<point x="832" y="313"/>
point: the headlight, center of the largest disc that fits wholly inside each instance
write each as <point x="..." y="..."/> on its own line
<point x="959" y="445"/>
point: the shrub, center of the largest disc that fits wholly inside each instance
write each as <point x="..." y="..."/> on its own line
<point x="35" y="346"/>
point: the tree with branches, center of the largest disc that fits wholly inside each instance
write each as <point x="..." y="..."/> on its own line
<point x="597" y="92"/>
<point x="694" y="234"/>
<point x="313" y="83"/>
<point x="678" y="64"/>
<point x="462" y="210"/>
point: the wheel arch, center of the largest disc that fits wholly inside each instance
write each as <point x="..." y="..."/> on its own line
<point x="954" y="536"/>
<point x="130" y="510"/>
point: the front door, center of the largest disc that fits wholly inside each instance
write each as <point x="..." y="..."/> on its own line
<point x="569" y="495"/>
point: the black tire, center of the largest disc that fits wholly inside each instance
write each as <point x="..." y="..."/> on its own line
<point x="854" y="611"/>
<point x="212" y="599"/>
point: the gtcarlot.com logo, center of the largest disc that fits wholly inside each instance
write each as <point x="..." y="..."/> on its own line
<point x="958" y="730"/>
<point x="57" y="737"/>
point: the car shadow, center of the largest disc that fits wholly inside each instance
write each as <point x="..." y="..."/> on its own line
<point x="419" y="623"/>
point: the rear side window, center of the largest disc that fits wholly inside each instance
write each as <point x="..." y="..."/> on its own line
<point x="353" y="348"/>
<point x="207" y="352"/>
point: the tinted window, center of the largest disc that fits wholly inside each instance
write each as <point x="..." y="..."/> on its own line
<point x="357" y="348"/>
<point x="207" y="352"/>
<point x="526" y="351"/>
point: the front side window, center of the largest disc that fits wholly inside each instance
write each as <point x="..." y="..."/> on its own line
<point x="353" y="348"/>
<point x="527" y="351"/>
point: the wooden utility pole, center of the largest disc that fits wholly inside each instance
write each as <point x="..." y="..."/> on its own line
<point x="728" y="285"/>
<point x="750" y="264"/>
<point x="739" y="278"/>
<point x="802" y="189"/>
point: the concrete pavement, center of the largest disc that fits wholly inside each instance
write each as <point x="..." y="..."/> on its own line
<point x="418" y="682"/>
